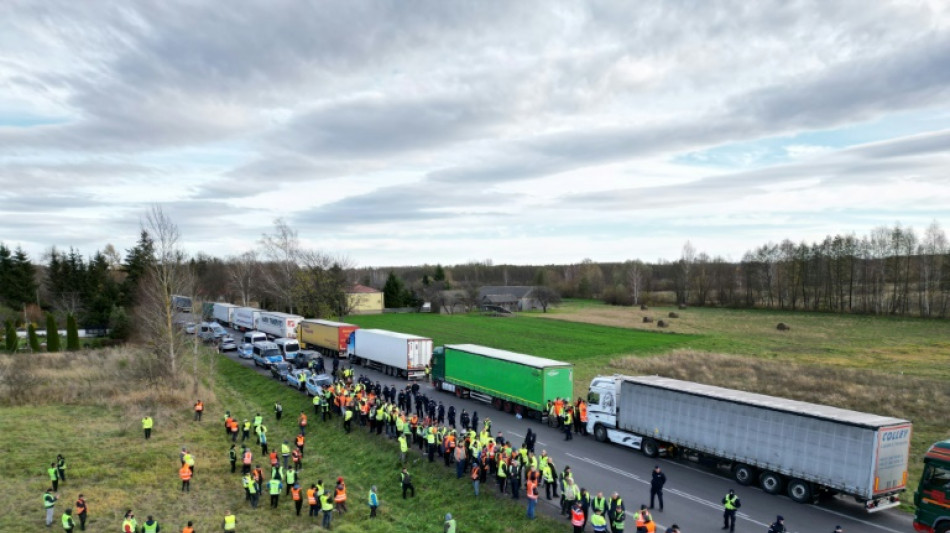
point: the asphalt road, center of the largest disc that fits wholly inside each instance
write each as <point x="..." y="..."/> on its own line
<point x="693" y="493"/>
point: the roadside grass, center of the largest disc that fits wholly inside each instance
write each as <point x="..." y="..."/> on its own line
<point x="91" y="414"/>
<point x="910" y="397"/>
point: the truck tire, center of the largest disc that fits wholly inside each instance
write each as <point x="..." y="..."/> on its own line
<point x="507" y="407"/>
<point x="650" y="448"/>
<point x="942" y="528"/>
<point x="497" y="403"/>
<point x="744" y="474"/>
<point x="600" y="433"/>
<point x="800" y="491"/>
<point x="771" y="482"/>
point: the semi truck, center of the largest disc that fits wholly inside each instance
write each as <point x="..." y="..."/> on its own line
<point x="932" y="499"/>
<point x="223" y="313"/>
<point x="803" y="449"/>
<point x="245" y="318"/>
<point x="278" y="325"/>
<point x="181" y="303"/>
<point x="325" y="336"/>
<point x="513" y="382"/>
<point x="394" y="354"/>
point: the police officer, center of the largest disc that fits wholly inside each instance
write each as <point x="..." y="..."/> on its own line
<point x="656" y="486"/>
<point x="778" y="526"/>
<point x="730" y="504"/>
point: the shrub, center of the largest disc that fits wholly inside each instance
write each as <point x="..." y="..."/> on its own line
<point x="72" y="334"/>
<point x="120" y="326"/>
<point x="52" y="334"/>
<point x="34" y="340"/>
<point x="11" y="341"/>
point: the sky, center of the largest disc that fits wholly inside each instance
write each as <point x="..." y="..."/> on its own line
<point x="410" y="132"/>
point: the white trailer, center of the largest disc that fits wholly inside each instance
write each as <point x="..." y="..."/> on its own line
<point x="223" y="313"/>
<point x="246" y="318"/>
<point x="396" y="354"/>
<point x="279" y="325"/>
<point x="801" y="448"/>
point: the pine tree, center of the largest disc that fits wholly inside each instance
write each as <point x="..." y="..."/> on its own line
<point x="52" y="334"/>
<point x="137" y="262"/>
<point x="34" y="340"/>
<point x="12" y="342"/>
<point x="393" y="292"/>
<point x="72" y="334"/>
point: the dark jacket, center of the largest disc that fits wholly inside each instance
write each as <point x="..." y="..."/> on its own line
<point x="659" y="479"/>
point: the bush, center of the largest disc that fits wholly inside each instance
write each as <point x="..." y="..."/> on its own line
<point x="72" y="334"/>
<point x="52" y="334"/>
<point x="11" y="341"/>
<point x="34" y="340"/>
<point x="120" y="325"/>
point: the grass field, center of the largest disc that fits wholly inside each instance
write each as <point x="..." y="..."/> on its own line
<point x="890" y="366"/>
<point x="95" y="422"/>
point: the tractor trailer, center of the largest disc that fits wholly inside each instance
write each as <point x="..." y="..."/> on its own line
<point x="223" y="313"/>
<point x="803" y="449"/>
<point x="510" y="381"/>
<point x="394" y="354"/>
<point x="932" y="498"/>
<point x="327" y="337"/>
<point x="278" y="325"/>
<point x="245" y="318"/>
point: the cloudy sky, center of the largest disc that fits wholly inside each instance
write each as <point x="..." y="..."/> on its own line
<point x="525" y="132"/>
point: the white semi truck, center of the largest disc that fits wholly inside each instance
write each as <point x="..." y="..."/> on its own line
<point x="245" y="318"/>
<point x="396" y="354"/>
<point x="803" y="449"/>
<point x="278" y="325"/>
<point x="223" y="313"/>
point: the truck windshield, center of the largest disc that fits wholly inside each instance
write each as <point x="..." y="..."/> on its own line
<point x="936" y="477"/>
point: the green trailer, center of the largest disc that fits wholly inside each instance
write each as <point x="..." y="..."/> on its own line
<point x="512" y="382"/>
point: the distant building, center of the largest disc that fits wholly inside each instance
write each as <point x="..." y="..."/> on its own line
<point x="512" y="298"/>
<point x="364" y="300"/>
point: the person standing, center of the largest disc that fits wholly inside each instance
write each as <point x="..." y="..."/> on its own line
<point x="189" y="527"/>
<point x="326" y="505"/>
<point x="232" y="457"/>
<point x="81" y="512"/>
<point x="449" y="525"/>
<point x="568" y="425"/>
<point x="296" y="497"/>
<point x="61" y="466"/>
<point x="476" y="472"/>
<point x="199" y="410"/>
<point x="339" y="497"/>
<point x="778" y="526"/>
<point x="532" y="494"/>
<point x="67" y="520"/>
<point x="151" y="525"/>
<point x="403" y="447"/>
<point x="53" y="476"/>
<point x="598" y="522"/>
<point x="406" y="481"/>
<point x="656" y="486"/>
<point x="245" y="430"/>
<point x="230" y="521"/>
<point x="285" y="452"/>
<point x="730" y="504"/>
<point x="373" y="501"/>
<point x="302" y="423"/>
<point x="616" y="513"/>
<point x="147" y="424"/>
<point x="278" y="411"/>
<point x="273" y="487"/>
<point x="49" y="501"/>
<point x="577" y="517"/>
<point x="185" y="474"/>
<point x="312" y="501"/>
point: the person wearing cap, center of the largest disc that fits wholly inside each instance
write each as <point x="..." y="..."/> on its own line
<point x="730" y="504"/>
<point x="656" y="486"/>
<point x="373" y="502"/>
<point x="449" y="525"/>
<point x="778" y="526"/>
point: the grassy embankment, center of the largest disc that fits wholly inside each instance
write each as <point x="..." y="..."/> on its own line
<point x="883" y="365"/>
<point x="88" y="406"/>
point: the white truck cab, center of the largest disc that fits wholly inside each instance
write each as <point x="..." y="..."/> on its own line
<point x="603" y="400"/>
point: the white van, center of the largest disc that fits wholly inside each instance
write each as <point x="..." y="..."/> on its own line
<point x="289" y="348"/>
<point x="250" y="337"/>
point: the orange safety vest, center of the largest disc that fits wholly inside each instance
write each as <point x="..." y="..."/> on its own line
<point x="475" y="472"/>
<point x="295" y="455"/>
<point x="640" y="521"/>
<point x="577" y="517"/>
<point x="303" y="419"/>
<point x="81" y="506"/>
<point x="247" y="458"/>
<point x="273" y="458"/>
<point x="295" y="494"/>
<point x="187" y="529"/>
<point x="530" y="488"/>
<point x="583" y="412"/>
<point x="300" y="440"/>
<point x="185" y="473"/>
<point x="199" y="406"/>
<point x="651" y="526"/>
<point x="312" y="496"/>
<point x="558" y="407"/>
<point x="340" y="493"/>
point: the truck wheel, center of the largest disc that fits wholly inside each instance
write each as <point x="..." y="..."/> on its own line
<point x="600" y="433"/>
<point x="744" y="474"/>
<point x="507" y="407"/>
<point x="650" y="448"/>
<point x="458" y="391"/>
<point x="771" y="482"/>
<point x="800" y="491"/>
<point x="942" y="528"/>
<point x="496" y="403"/>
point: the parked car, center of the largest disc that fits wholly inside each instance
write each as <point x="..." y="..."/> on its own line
<point x="190" y="328"/>
<point x="279" y="371"/>
<point x="227" y="344"/>
<point x="298" y="379"/>
<point x="250" y="337"/>
<point x="317" y="382"/>
<point x="266" y="354"/>
<point x="246" y="351"/>
<point x="211" y="331"/>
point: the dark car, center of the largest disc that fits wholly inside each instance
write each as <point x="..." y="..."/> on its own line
<point x="280" y="370"/>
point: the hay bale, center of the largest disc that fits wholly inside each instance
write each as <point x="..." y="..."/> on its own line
<point x="682" y="306"/>
<point x="782" y="326"/>
<point x="643" y="307"/>
<point x="661" y="324"/>
<point x="647" y="320"/>
<point x="673" y="315"/>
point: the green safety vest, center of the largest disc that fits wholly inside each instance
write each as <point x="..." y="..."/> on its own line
<point x="232" y="455"/>
<point x="285" y="449"/>
<point x="258" y="420"/>
<point x="274" y="486"/>
<point x="67" y="521"/>
<point x="230" y="522"/>
<point x="147" y="423"/>
<point x="61" y="464"/>
<point x="325" y="503"/>
<point x="316" y="400"/>
<point x="349" y="415"/>
<point x="598" y="520"/>
<point x="450" y="526"/>
<point x="146" y="528"/>
<point x="599" y="504"/>
<point x="247" y="426"/>
<point x="48" y="500"/>
<point x="291" y="477"/>
<point x="252" y="487"/>
<point x="403" y="446"/>
<point x="730" y="504"/>
<point x="53" y="475"/>
<point x="430" y="438"/>
<point x="371" y="497"/>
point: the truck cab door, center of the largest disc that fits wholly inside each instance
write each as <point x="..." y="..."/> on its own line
<point x="933" y="495"/>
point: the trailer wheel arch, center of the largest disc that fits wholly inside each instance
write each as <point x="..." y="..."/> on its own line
<point x="771" y="482"/>
<point x="800" y="491"/>
<point x="942" y="527"/>
<point x="600" y="433"/>
<point x="744" y="474"/>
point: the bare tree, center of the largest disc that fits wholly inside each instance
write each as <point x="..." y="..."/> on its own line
<point x="280" y="275"/>
<point x="469" y="298"/>
<point x="546" y="296"/>
<point x="686" y="262"/>
<point x="635" y="274"/>
<point x="166" y="275"/>
<point x="243" y="273"/>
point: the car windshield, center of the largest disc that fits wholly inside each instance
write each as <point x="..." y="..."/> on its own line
<point x="291" y="347"/>
<point x="271" y="352"/>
